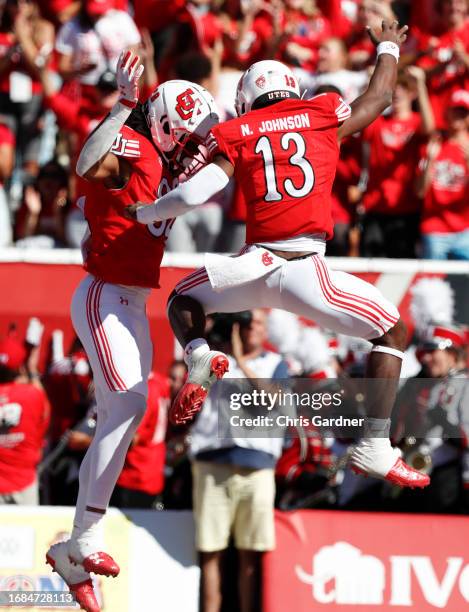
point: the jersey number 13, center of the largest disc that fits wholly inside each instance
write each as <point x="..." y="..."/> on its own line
<point x="264" y="147"/>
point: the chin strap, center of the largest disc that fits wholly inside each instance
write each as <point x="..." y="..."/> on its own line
<point x="378" y="348"/>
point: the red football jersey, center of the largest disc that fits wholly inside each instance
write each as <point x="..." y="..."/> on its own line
<point x="446" y="207"/>
<point x="121" y="251"/>
<point x="144" y="465"/>
<point x="285" y="158"/>
<point x="24" y="418"/>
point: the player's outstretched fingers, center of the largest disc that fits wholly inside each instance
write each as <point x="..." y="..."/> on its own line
<point x="133" y="66"/>
<point x="124" y="60"/>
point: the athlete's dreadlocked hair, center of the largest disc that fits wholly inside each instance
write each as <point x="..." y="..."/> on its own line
<point x="138" y="122"/>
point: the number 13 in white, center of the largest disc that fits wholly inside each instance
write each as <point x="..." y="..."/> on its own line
<point x="264" y="147"/>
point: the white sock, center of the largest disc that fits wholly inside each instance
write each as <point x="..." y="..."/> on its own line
<point x="195" y="348"/>
<point x="88" y="537"/>
<point x="107" y="455"/>
<point x="376" y="428"/>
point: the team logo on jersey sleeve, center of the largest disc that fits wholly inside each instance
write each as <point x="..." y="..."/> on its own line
<point x="125" y="147"/>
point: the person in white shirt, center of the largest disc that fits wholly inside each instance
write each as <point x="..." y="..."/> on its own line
<point x="332" y="70"/>
<point x="91" y="42"/>
<point x="234" y="484"/>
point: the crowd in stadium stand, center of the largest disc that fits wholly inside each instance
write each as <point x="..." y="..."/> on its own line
<point x="401" y="186"/>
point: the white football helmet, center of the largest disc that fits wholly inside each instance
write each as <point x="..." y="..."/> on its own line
<point x="180" y="115"/>
<point x="268" y="78"/>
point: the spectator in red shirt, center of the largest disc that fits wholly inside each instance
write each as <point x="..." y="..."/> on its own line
<point x="7" y="163"/>
<point x="444" y="185"/>
<point x="394" y="140"/>
<point x="247" y="31"/>
<point x="362" y="51"/>
<point x="447" y="65"/>
<point x="142" y="478"/>
<point x="24" y="419"/>
<point x="302" y="31"/>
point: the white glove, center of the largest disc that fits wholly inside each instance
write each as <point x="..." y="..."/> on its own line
<point x="128" y="74"/>
<point x="34" y="332"/>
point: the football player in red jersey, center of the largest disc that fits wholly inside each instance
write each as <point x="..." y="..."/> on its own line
<point x="283" y="151"/>
<point x="133" y="154"/>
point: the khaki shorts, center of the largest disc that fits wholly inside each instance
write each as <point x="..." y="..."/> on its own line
<point x="229" y="500"/>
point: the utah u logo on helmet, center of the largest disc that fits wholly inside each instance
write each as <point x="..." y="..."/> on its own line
<point x="187" y="104"/>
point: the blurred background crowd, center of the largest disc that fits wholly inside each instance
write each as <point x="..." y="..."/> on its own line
<point x="401" y="186"/>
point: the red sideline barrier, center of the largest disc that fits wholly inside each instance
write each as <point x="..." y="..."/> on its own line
<point x="45" y="291"/>
<point x="366" y="562"/>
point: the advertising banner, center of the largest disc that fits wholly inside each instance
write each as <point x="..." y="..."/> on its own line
<point x="155" y="551"/>
<point x="367" y="562"/>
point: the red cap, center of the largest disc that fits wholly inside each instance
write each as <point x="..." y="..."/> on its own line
<point x="12" y="353"/>
<point x="98" y="7"/>
<point x="443" y="337"/>
<point x="460" y="99"/>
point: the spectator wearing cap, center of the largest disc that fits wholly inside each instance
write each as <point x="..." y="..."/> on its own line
<point x="392" y="208"/>
<point x="90" y="43"/>
<point x="24" y="419"/>
<point x="440" y="418"/>
<point x="444" y="185"/>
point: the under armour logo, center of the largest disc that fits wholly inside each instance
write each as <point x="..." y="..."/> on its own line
<point x="124" y="301"/>
<point x="267" y="259"/>
<point x="95" y="557"/>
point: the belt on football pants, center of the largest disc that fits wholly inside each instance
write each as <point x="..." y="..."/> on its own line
<point x="283" y="254"/>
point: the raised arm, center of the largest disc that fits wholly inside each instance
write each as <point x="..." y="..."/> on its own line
<point x="96" y="163"/>
<point x="196" y="191"/>
<point x="378" y="96"/>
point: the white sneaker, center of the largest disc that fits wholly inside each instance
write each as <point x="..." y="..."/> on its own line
<point x="204" y="370"/>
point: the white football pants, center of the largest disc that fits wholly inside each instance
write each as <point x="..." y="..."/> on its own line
<point x="307" y="287"/>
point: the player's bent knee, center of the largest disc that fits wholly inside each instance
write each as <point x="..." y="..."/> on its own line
<point x="395" y="338"/>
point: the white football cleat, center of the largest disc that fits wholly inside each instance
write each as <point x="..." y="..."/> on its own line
<point x="97" y="562"/>
<point x="204" y="370"/>
<point x="377" y="458"/>
<point x="77" y="579"/>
